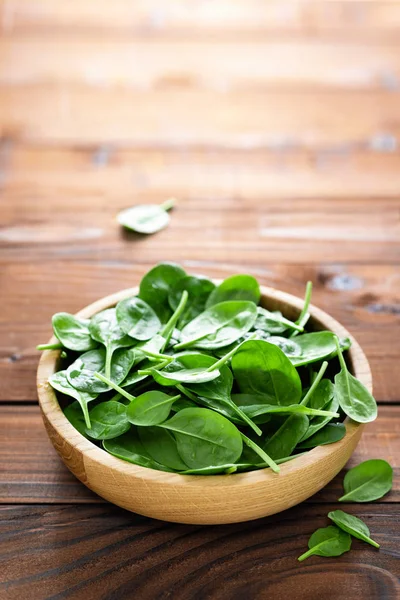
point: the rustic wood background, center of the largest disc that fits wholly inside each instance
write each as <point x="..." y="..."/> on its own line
<point x="276" y="124"/>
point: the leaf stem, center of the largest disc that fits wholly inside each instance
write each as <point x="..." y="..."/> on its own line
<point x="315" y="383"/>
<point x="340" y="354"/>
<point x="267" y="459"/>
<point x="115" y="387"/>
<point x="168" y="328"/>
<point x="219" y="363"/>
<point x="304" y="315"/>
<point x="158" y="355"/>
<point x="309" y="552"/>
<point x="109" y="354"/>
<point x="56" y="346"/>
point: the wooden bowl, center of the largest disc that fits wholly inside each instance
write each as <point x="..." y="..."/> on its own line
<point x="200" y="499"/>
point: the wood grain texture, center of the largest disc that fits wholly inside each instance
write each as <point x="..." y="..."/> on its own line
<point x="31" y="471"/>
<point x="102" y="552"/>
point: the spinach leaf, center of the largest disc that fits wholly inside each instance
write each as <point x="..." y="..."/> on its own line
<point x="104" y="328"/>
<point x="204" y="437"/>
<point x="305" y="401"/>
<point x="75" y="416"/>
<point x="322" y="394"/>
<point x="286" y="438"/>
<point x="81" y="373"/>
<point x="185" y="368"/>
<point x="261" y="368"/>
<point x="353" y="397"/>
<point x="318" y="423"/>
<point x="130" y="448"/>
<point x="353" y="525"/>
<point x="368" y="481"/>
<point x="219" y="326"/>
<point x="198" y="289"/>
<point x="288" y="346"/>
<point x="261" y="452"/>
<point x="150" y="408"/>
<point x="314" y="347"/>
<point x="255" y="410"/>
<point x="162" y="447"/>
<point x="327" y="541"/>
<point x="273" y="322"/>
<point x="108" y="421"/>
<point x="146" y="218"/>
<point x="59" y="382"/>
<point x="137" y="319"/>
<point x="73" y="332"/>
<point x="332" y="432"/>
<point x="156" y="286"/>
<point x="236" y="287"/>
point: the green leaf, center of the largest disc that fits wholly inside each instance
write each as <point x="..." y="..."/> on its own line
<point x="327" y="541"/>
<point x="108" y="421"/>
<point x="261" y="368"/>
<point x="236" y="287"/>
<point x="286" y="438"/>
<point x="150" y="408"/>
<point x="186" y="368"/>
<point x="314" y="347"/>
<point x="368" y="481"/>
<point x="332" y="432"/>
<point x="156" y="286"/>
<point x="81" y="373"/>
<point x="353" y="397"/>
<point x="288" y="346"/>
<point x="273" y="322"/>
<point x="128" y="447"/>
<point x="146" y="218"/>
<point x="73" y="332"/>
<point x="162" y="447"/>
<point x="219" y="326"/>
<point x="75" y="416"/>
<point x="137" y="319"/>
<point x="59" y="382"/>
<point x="352" y="525"/>
<point x="204" y="437"/>
<point x="104" y="328"/>
<point x="198" y="289"/>
<point x="318" y="423"/>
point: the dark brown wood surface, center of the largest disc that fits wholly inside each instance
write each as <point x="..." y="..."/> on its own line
<point x="276" y="125"/>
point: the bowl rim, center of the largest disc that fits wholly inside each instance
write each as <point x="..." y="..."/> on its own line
<point x="51" y="409"/>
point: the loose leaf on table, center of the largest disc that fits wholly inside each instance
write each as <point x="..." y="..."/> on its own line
<point x="73" y="332"/>
<point x="185" y="368"/>
<point x="353" y="525"/>
<point x="317" y="423"/>
<point x="327" y="541"/>
<point x="146" y="218"/>
<point x="273" y="322"/>
<point x="331" y="433"/>
<point x="104" y="328"/>
<point x="198" y="289"/>
<point x="204" y="437"/>
<point x="137" y="319"/>
<point x="368" y="481"/>
<point x="59" y="382"/>
<point x="314" y="347"/>
<point x="261" y="368"/>
<point x="236" y="287"/>
<point x="219" y="325"/>
<point x="75" y="416"/>
<point x="286" y="438"/>
<point x="156" y="286"/>
<point x="129" y="447"/>
<point x="161" y="446"/>
<point x="81" y="373"/>
<point x="150" y="408"/>
<point x="353" y="397"/>
<point x="108" y="421"/>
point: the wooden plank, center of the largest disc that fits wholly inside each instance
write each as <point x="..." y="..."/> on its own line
<point x="49" y="179"/>
<point x="196" y="64"/>
<point x="79" y="115"/>
<point x="100" y="551"/>
<point x="31" y="471"/>
<point x="354" y="18"/>
<point x="363" y="297"/>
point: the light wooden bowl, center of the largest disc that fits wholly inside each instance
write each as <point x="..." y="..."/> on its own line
<point x="200" y="499"/>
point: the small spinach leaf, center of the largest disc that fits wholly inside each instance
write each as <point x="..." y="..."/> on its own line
<point x="146" y="218"/>
<point x="198" y="289"/>
<point x="130" y="448"/>
<point x="236" y="287"/>
<point x="104" y="328"/>
<point x="368" y="481"/>
<point x="327" y="541"/>
<point x="59" y="382"/>
<point x="81" y="373"/>
<point x="150" y="408"/>
<point x="156" y="286"/>
<point x="331" y="433"/>
<point x="108" y="421"/>
<point x="137" y="319"/>
<point x="353" y="525"/>
<point x="286" y="438"/>
<point x="162" y="447"/>
<point x="314" y="347"/>
<point x="273" y="322"/>
<point x="185" y="368"/>
<point x="73" y="332"/>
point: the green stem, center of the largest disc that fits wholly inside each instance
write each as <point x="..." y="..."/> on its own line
<point x="187" y="393"/>
<point x="340" y="354"/>
<point x="304" y="315"/>
<point x="315" y="383"/>
<point x="168" y="204"/>
<point x="56" y="346"/>
<point x="222" y="360"/>
<point x="306" y="555"/>
<point x="109" y="353"/>
<point x="169" y="327"/>
<point x="267" y="459"/>
<point x="115" y="387"/>
<point x="158" y="355"/>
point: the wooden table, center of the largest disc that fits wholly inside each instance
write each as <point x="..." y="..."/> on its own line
<point x="277" y="126"/>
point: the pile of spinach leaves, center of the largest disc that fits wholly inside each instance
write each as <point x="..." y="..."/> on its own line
<point x="195" y="378"/>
